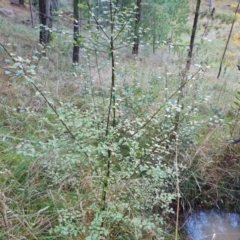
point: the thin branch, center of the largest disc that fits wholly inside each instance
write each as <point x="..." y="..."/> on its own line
<point x="96" y="20"/>
<point x="53" y="109"/>
<point x="45" y="98"/>
<point x="229" y="36"/>
<point x="124" y="25"/>
<point x="161" y="107"/>
<point x="111" y="107"/>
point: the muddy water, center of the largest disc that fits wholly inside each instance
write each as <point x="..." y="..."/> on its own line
<point x="213" y="225"/>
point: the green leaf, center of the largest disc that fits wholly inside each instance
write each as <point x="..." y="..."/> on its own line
<point x="7" y="72"/>
<point x="19" y="72"/>
<point x="236" y="103"/>
<point x="81" y="6"/>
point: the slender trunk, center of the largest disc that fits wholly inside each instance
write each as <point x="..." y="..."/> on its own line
<point x="154" y="38"/>
<point x="111" y="107"/>
<point x="21" y="2"/>
<point x="136" y="33"/>
<point x="98" y="12"/>
<point x="194" y="29"/>
<point x="76" y="30"/>
<point x="187" y="68"/>
<point x="45" y="18"/>
<point x="30" y="4"/>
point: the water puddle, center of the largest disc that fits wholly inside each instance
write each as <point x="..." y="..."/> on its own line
<point x="213" y="225"/>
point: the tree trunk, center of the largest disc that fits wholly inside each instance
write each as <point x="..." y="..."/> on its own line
<point x="45" y="18"/>
<point x="21" y="2"/>
<point x="136" y="33"/>
<point x="187" y="67"/>
<point x="194" y="29"/>
<point x="31" y="12"/>
<point x="75" y="57"/>
<point x="54" y="4"/>
<point x="154" y="38"/>
<point x="210" y="3"/>
<point x="98" y="5"/>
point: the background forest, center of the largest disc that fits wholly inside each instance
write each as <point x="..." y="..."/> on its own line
<point x="116" y="116"/>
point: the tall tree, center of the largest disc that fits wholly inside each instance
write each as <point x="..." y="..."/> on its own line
<point x="76" y="30"/>
<point x="136" y="28"/>
<point x="45" y="18"/>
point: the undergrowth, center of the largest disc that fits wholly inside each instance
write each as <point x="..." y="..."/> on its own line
<point x="95" y="151"/>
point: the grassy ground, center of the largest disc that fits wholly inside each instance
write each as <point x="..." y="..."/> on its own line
<point x="48" y="185"/>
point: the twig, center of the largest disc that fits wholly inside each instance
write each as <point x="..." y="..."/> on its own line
<point x="45" y="98"/>
<point x="229" y="36"/>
